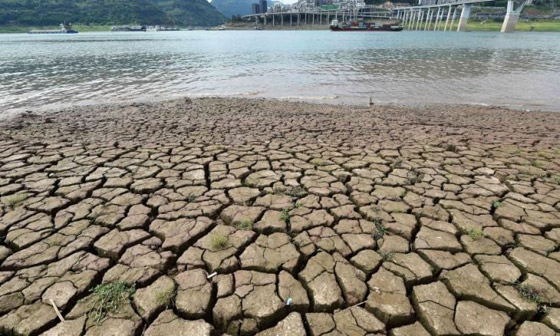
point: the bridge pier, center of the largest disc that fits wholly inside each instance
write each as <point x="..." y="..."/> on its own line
<point x="447" y="19"/>
<point x="428" y="18"/>
<point x="512" y="16"/>
<point x="453" y="18"/>
<point x="437" y="19"/>
<point x="465" y="13"/>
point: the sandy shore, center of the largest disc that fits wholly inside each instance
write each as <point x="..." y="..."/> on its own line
<point x="264" y="217"/>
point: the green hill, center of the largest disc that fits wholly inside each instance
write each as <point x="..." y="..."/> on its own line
<point x="146" y="12"/>
<point x="234" y="7"/>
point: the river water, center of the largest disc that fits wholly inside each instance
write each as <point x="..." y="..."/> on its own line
<point x="519" y="70"/>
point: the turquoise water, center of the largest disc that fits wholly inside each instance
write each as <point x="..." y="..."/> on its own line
<point x="520" y="70"/>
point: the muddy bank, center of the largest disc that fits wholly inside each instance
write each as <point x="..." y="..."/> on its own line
<point x="280" y="218"/>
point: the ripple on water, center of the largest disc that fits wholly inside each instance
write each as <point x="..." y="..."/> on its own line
<point x="522" y="69"/>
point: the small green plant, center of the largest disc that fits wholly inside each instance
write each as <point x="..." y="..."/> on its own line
<point x="191" y="198"/>
<point x="497" y="204"/>
<point x="165" y="297"/>
<point x="517" y="151"/>
<point x="285" y="214"/>
<point x="245" y="225"/>
<point x="379" y="229"/>
<point x="557" y="179"/>
<point x="297" y="191"/>
<point x="451" y="148"/>
<point x="386" y="256"/>
<point x="474" y="233"/>
<point x="414" y="177"/>
<point x="13" y="200"/>
<point x="218" y="241"/>
<point x="109" y="298"/>
<point x="537" y="163"/>
<point x="298" y="205"/>
<point x="530" y="293"/>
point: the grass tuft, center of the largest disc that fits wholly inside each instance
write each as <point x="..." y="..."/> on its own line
<point x="530" y="293"/>
<point x="244" y="225"/>
<point x="379" y="229"/>
<point x="475" y="234"/>
<point x="386" y="256"/>
<point x="109" y="298"/>
<point x="13" y="200"/>
<point x="497" y="204"/>
<point x="285" y="214"/>
<point x="218" y="241"/>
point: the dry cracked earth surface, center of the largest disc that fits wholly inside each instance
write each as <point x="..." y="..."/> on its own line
<point x="244" y="217"/>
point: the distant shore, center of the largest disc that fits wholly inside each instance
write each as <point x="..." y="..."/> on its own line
<point x="473" y="25"/>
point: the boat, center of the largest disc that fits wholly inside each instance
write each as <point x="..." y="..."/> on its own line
<point x="159" y="28"/>
<point x="64" y="29"/>
<point x="128" y="28"/>
<point x="364" y="26"/>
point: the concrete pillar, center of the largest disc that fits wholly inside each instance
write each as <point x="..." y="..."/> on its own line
<point x="282" y="19"/>
<point x="273" y="20"/>
<point x="447" y="19"/>
<point x="512" y="16"/>
<point x="428" y="15"/>
<point x="465" y="13"/>
<point x="265" y="19"/>
<point x="453" y="17"/>
<point x="437" y="19"/>
<point x="420" y="17"/>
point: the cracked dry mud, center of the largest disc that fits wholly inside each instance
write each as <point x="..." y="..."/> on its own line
<point x="318" y="220"/>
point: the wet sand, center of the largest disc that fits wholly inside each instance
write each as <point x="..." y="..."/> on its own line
<point x="280" y="218"/>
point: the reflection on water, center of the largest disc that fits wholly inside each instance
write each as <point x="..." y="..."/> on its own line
<point x="520" y="70"/>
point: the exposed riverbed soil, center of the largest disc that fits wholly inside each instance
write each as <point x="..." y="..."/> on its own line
<point x="244" y="217"/>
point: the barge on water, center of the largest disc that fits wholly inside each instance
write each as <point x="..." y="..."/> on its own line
<point x="64" y="29"/>
<point x="128" y="28"/>
<point x="357" y="26"/>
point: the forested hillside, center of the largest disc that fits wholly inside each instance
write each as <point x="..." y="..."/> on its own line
<point x="52" y="12"/>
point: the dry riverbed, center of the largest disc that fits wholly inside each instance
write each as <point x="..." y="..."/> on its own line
<point x="263" y="217"/>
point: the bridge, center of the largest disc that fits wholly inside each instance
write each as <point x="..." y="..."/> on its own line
<point x="437" y="15"/>
<point x="317" y="16"/>
<point x="431" y="16"/>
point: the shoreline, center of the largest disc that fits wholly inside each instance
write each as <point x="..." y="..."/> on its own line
<point x="265" y="217"/>
<point x="472" y="25"/>
<point x="14" y="113"/>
